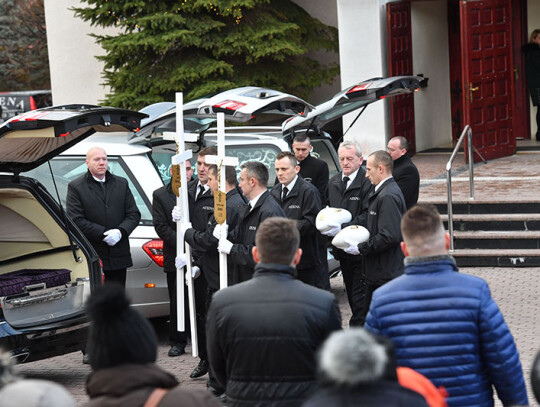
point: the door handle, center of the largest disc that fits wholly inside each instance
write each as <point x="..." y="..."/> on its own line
<point x="516" y="74"/>
<point x="471" y="90"/>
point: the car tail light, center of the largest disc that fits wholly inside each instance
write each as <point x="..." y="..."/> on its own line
<point x="154" y="249"/>
<point x="32" y="103"/>
<point x="359" y="88"/>
<point x="230" y="105"/>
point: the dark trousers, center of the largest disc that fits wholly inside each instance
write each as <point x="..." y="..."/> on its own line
<point x="356" y="288"/>
<point x="115" y="276"/>
<point x="309" y="276"/>
<point x="180" y="338"/>
<point x="324" y="277"/>
<point x="211" y="378"/>
<point x="371" y="286"/>
<point x="538" y="123"/>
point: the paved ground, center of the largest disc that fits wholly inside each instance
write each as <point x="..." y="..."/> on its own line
<point x="515" y="289"/>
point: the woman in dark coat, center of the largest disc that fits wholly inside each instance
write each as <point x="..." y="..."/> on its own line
<point x="532" y="70"/>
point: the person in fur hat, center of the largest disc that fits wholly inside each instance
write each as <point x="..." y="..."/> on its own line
<point x="122" y="348"/>
<point x="352" y="371"/>
<point x="16" y="392"/>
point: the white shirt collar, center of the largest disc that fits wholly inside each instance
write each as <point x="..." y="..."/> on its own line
<point x="291" y="184"/>
<point x="99" y="180"/>
<point x="351" y="177"/>
<point x="253" y="202"/>
<point x="382" y="182"/>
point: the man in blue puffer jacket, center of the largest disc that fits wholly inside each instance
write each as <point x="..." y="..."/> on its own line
<point x="445" y="324"/>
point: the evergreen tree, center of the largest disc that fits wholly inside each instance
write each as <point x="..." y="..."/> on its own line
<point x="24" y="63"/>
<point x="202" y="47"/>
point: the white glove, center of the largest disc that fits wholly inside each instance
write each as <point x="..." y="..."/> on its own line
<point x="225" y="246"/>
<point x="219" y="229"/>
<point x="332" y="231"/>
<point x="352" y="249"/>
<point x="112" y="236"/>
<point x="180" y="261"/>
<point x="176" y="214"/>
<point x="195" y="272"/>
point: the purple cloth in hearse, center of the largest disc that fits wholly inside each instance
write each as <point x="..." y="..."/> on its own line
<point x="15" y="281"/>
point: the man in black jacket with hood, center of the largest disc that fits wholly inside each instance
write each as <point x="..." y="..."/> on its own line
<point x="263" y="334"/>
<point x="300" y="201"/>
<point x="102" y="206"/>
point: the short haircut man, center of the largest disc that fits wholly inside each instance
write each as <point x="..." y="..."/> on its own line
<point x="316" y="172"/>
<point x="257" y="170"/>
<point x="273" y="312"/>
<point x="103" y="208"/>
<point x="464" y="343"/>
<point x="260" y="206"/>
<point x="405" y="172"/>
<point x="300" y="201"/>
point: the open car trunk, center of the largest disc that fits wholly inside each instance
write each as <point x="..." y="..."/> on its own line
<point x="34" y="289"/>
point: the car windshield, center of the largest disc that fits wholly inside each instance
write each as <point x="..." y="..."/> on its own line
<point x="66" y="169"/>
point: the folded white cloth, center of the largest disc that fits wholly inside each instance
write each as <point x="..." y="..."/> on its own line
<point x="350" y="236"/>
<point x="329" y="218"/>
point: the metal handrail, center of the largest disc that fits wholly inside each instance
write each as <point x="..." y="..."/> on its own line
<point x="466" y="131"/>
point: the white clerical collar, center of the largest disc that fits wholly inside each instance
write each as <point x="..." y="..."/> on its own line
<point x="291" y="184"/>
<point x="253" y="202"/>
<point x="379" y="185"/>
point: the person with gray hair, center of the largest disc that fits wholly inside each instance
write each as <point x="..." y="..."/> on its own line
<point x="349" y="189"/>
<point x="352" y="366"/>
<point x="263" y="333"/>
<point x="261" y="205"/>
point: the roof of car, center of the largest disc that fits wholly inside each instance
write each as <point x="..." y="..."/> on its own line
<point x="112" y="143"/>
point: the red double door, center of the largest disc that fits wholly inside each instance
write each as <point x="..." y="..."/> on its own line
<point x="487" y="83"/>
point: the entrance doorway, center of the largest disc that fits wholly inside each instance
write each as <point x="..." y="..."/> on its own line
<point x="484" y="70"/>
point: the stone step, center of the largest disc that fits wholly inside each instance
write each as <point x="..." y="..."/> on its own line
<point x="489" y="207"/>
<point x="496" y="258"/>
<point x="506" y="222"/>
<point x="481" y="239"/>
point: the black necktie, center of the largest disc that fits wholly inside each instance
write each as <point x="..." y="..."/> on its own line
<point x="345" y="182"/>
<point x="284" y="193"/>
<point x="201" y="191"/>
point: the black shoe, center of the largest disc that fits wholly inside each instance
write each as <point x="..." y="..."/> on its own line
<point x="200" y="370"/>
<point x="86" y="359"/>
<point x="176" y="350"/>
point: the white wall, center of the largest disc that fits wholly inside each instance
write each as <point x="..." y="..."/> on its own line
<point x="361" y="50"/>
<point x="533" y="22"/>
<point x="430" y="57"/>
<point x="75" y="73"/>
<point x="326" y="12"/>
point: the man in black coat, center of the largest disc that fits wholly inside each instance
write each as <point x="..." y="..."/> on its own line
<point x="532" y="72"/>
<point x="316" y="172"/>
<point x="405" y="172"/>
<point x="383" y="258"/>
<point x="263" y="334"/>
<point x="102" y="206"/>
<point x="349" y="189"/>
<point x="261" y="205"/>
<point x="164" y="200"/>
<point x="300" y="201"/>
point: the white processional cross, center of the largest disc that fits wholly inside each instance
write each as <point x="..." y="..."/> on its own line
<point x="220" y="197"/>
<point x="183" y="248"/>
